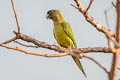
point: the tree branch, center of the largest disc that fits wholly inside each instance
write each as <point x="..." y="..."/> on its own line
<point x="8" y="41"/>
<point x="56" y="48"/>
<point x="92" y="59"/>
<point x="61" y="49"/>
<point x="114" y="67"/>
<point x="92" y="21"/>
<point x="18" y="25"/>
<point x="88" y="6"/>
<point x="26" y="45"/>
<point x="34" y="53"/>
<point x="118" y="22"/>
<point x="65" y="51"/>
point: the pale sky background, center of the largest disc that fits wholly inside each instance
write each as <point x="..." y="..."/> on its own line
<point x="16" y="65"/>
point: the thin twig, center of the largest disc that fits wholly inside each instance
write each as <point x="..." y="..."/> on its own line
<point x="26" y="45"/>
<point x="16" y="16"/>
<point x="34" y="53"/>
<point x="74" y="6"/>
<point x="91" y="1"/>
<point x="101" y="66"/>
<point x="8" y="41"/>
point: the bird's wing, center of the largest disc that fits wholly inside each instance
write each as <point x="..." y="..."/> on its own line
<point x="69" y="32"/>
<point x="67" y="29"/>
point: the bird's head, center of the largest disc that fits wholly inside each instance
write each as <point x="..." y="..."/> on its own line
<point x="55" y="15"/>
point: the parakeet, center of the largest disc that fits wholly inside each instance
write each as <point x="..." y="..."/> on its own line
<point x="63" y="33"/>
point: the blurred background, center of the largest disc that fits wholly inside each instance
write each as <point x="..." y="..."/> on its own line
<point x="16" y="65"/>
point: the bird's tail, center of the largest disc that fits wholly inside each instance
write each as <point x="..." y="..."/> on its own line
<point x="77" y="61"/>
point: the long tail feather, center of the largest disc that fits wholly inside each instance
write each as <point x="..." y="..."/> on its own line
<point x="77" y="61"/>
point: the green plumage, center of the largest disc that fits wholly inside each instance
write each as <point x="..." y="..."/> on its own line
<point x="63" y="33"/>
<point x="64" y="36"/>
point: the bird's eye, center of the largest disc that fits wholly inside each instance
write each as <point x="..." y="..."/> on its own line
<point x="48" y="12"/>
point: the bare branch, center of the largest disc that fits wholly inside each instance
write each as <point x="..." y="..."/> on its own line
<point x="115" y="60"/>
<point x="74" y="6"/>
<point x="26" y="45"/>
<point x="95" y="49"/>
<point x="34" y="53"/>
<point x="118" y="22"/>
<point x="109" y="34"/>
<point x="114" y="67"/>
<point x="80" y="7"/>
<point x="61" y="49"/>
<point x="88" y="6"/>
<point x="18" y="25"/>
<point x="93" y="22"/>
<point x="8" y="41"/>
<point x="113" y="50"/>
<point x="96" y="63"/>
<point x="64" y="51"/>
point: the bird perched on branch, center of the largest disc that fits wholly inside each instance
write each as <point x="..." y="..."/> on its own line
<point x="63" y="34"/>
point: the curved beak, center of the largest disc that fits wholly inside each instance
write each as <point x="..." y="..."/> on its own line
<point x="47" y="16"/>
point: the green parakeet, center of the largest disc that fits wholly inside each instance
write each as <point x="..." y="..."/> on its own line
<point x="63" y="33"/>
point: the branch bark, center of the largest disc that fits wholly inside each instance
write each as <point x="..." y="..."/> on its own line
<point x="109" y="34"/>
<point x="61" y="49"/>
<point x="34" y="53"/>
<point x="16" y="16"/>
<point x="114" y="67"/>
<point x="92" y="21"/>
<point x="8" y="41"/>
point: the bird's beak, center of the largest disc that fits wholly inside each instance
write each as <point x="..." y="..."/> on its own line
<point x="47" y="16"/>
